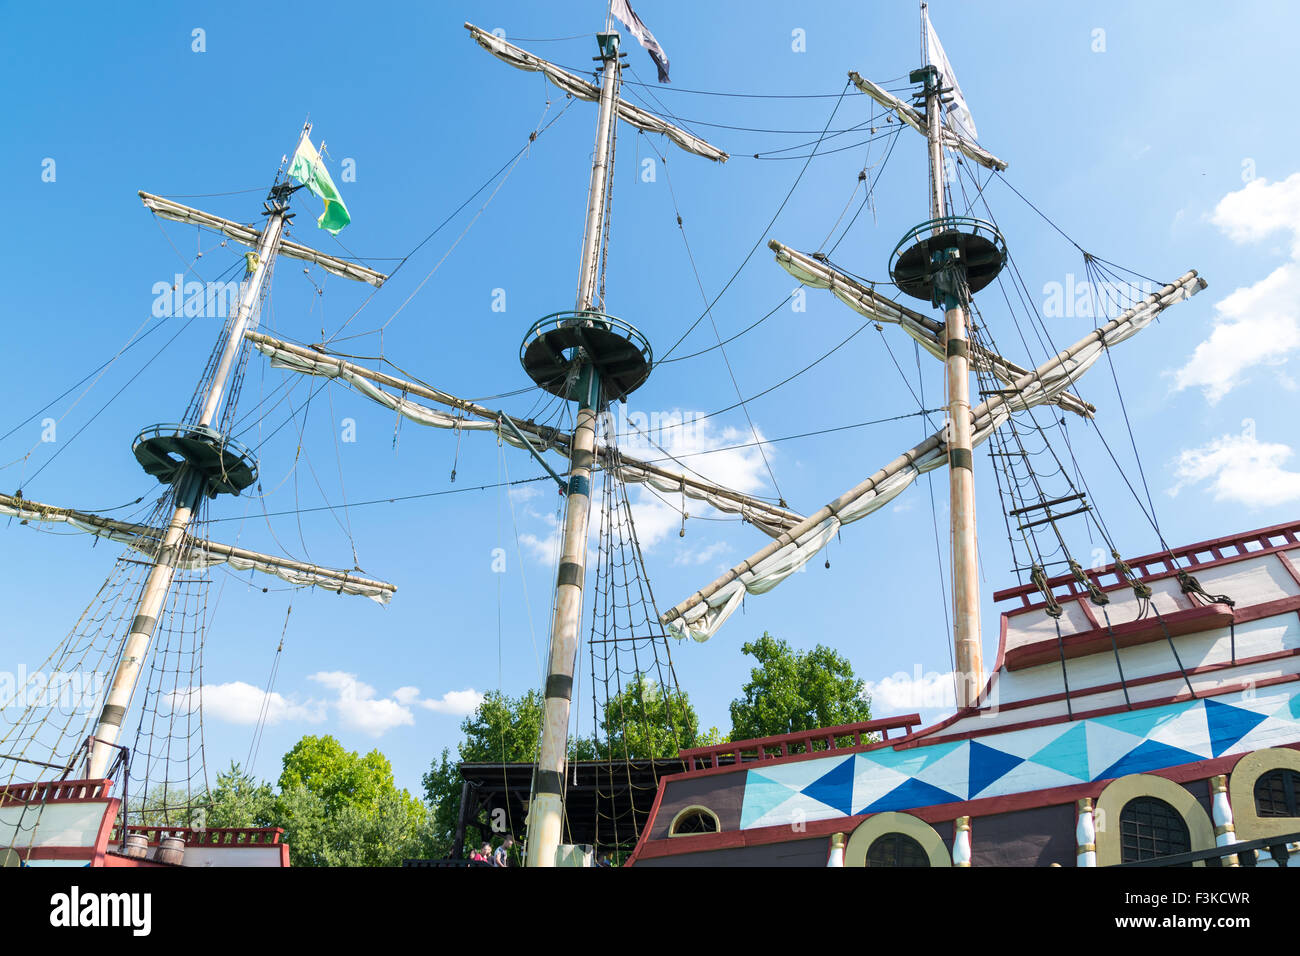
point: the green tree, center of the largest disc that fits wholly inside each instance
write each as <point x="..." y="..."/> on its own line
<point x="502" y="729"/>
<point x="339" y="808"/>
<point x="338" y="776"/>
<point x="239" y="801"/>
<point x="442" y="786"/>
<point x="645" y="721"/>
<point x="164" y="805"/>
<point x="796" y="690"/>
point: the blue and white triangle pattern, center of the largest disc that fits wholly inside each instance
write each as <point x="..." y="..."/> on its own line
<point x="1019" y="761"/>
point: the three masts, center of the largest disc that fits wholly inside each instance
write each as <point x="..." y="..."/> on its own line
<point x="592" y="358"/>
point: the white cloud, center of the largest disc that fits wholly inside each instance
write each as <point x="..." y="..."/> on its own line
<point x="406" y="695"/>
<point x="1258" y="324"/>
<point x="542" y="549"/>
<point x="355" y="702"/>
<point x="681" y="434"/>
<point x="688" y="555"/>
<point x="458" y="702"/>
<point x="1261" y="209"/>
<point x="662" y="437"/>
<point x="359" y="709"/>
<point x="1240" y="469"/>
<point x="903" y="693"/>
<point x="1255" y="325"/>
<point x="528" y="492"/>
<point x="239" y="703"/>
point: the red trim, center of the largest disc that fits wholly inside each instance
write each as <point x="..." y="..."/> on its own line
<point x="737" y="749"/>
<point x="114" y="859"/>
<point x="1103" y="711"/>
<point x="650" y="821"/>
<point x="1269" y="608"/>
<point x="1291" y="568"/>
<point x="1129" y="634"/>
<point x="1188" y="554"/>
<point x="1085" y="604"/>
<point x="86" y="853"/>
<point x="105" y="831"/>
<point x="52" y="791"/>
<point x="1095" y="689"/>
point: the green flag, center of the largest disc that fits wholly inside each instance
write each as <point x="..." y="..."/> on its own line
<point x="309" y="169"/>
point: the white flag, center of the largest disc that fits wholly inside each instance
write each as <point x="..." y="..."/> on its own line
<point x="959" y="118"/>
<point x="627" y="16"/>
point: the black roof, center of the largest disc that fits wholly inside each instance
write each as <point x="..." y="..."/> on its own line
<point x="606" y="803"/>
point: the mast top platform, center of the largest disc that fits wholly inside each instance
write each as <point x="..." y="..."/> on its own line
<point x="560" y="343"/>
<point x="936" y="245"/>
<point x="225" y="465"/>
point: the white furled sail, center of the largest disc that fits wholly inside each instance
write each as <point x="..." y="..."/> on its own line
<point x="912" y="118"/>
<point x="957" y="115"/>
<point x="583" y="90"/>
<point x="249" y="236"/>
<point x="200" y="553"/>
<point x="767" y="517"/>
<point x="701" y="615"/>
<point x="928" y="332"/>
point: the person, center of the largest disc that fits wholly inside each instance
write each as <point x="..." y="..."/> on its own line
<point x="502" y="855"/>
<point x="483" y="854"/>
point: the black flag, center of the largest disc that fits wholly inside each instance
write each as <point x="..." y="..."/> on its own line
<point x="627" y="16"/>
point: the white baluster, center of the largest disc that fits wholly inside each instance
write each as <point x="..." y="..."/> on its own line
<point x="1085" y="834"/>
<point x="837" y="850"/>
<point x="1225" y="834"/>
<point x="961" y="842"/>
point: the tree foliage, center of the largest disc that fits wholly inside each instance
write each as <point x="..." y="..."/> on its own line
<point x="503" y="729"/>
<point x="240" y="801"/>
<point x="796" y="690"/>
<point x="643" y="720"/>
<point x="339" y="808"/>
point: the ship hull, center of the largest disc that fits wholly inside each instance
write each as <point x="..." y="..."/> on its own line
<point x="1188" y="709"/>
<point x="73" y="823"/>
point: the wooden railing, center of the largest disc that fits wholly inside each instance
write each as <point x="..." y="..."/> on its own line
<point x="51" y="791"/>
<point x="211" y="836"/>
<point x="1151" y="567"/>
<point x="818" y="740"/>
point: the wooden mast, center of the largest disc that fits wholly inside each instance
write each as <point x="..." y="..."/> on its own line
<point x="191" y="485"/>
<point x="961" y="476"/>
<point x="546" y="811"/>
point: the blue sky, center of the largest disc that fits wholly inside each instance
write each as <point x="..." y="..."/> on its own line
<point x="1144" y="131"/>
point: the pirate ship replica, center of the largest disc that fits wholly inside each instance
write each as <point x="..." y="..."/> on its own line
<point x="1137" y="710"/>
<point x="1144" y="711"/>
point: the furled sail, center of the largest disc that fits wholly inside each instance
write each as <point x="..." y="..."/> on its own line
<point x="912" y="118"/>
<point x="701" y="615"/>
<point x="576" y="86"/>
<point x="249" y="235"/>
<point x="200" y="553"/>
<point x="472" y="417"/>
<point x="927" y="331"/>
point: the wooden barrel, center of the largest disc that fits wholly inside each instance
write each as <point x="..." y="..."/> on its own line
<point x="137" y="845"/>
<point x="171" y="850"/>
